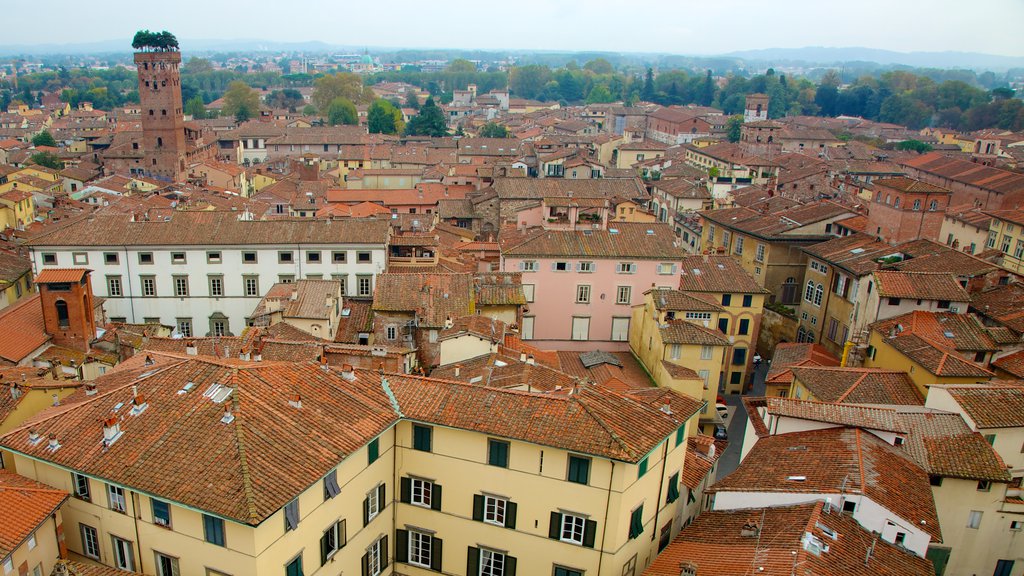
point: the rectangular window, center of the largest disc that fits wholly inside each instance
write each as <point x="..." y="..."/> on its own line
<point x="374" y="557"/>
<point x="313" y="257"/>
<point x="623" y="294"/>
<point x="493" y="563"/>
<point x="161" y="513"/>
<point x="80" y="258"/>
<point x="759" y="253"/>
<point x="572" y="528"/>
<point x="579" y="469"/>
<point x="529" y="266"/>
<point x="294" y="568"/>
<point x="421" y="437"/>
<point x="251" y="285"/>
<point x="497" y="453"/>
<point x="167" y="565"/>
<point x="974" y="519"/>
<point x="148" y="285"/>
<point x="286" y="278"/>
<point x="248" y="257"/>
<point x="641" y="468"/>
<point x="698" y="316"/>
<point x="332" y="540"/>
<point x="580" y="328"/>
<point x="495" y="510"/>
<point x="49" y="258"/>
<point x="636" y="522"/>
<point x="178" y="258"/>
<point x="364" y="285"/>
<point x="560" y="571"/>
<point x="181" y="286"/>
<point x="419" y="548"/>
<point x="81" y="484"/>
<point x="739" y="356"/>
<point x="528" y="290"/>
<point x="363" y="257"/>
<point x="739" y="245"/>
<point x="110" y="258"/>
<point x="339" y="257"/>
<point x="422" y="492"/>
<point x="585" y="267"/>
<point x="666" y="268"/>
<point x="371" y="505"/>
<point x="184" y="327"/>
<point x="216" y="286"/>
<point x="625" y="268"/>
<point x="726" y="299"/>
<point x="583" y="294"/>
<point x="744" y="327"/>
<point x="373" y="451"/>
<point x="285" y="257"/>
<point x="748" y="300"/>
<point x="561" y="267"/>
<point x="213" y="258"/>
<point x="114" y="286"/>
<point x="124" y="554"/>
<point x="90" y="542"/>
<point x="213" y="529"/>
<point x="115" y="499"/>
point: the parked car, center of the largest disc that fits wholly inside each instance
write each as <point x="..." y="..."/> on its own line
<point x="721" y="433"/>
<point x="723" y="410"/>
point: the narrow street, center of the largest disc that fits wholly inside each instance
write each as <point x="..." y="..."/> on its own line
<point x="737" y="424"/>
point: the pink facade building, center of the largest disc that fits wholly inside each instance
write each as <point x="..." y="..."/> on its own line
<point x="581" y="285"/>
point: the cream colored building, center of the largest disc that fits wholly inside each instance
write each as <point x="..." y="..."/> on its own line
<point x="1006" y="234"/>
<point x="221" y="466"/>
<point x="32" y="519"/>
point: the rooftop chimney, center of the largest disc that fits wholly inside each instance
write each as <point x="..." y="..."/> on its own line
<point x="458" y="369"/>
<point x="190" y="348"/>
<point x="295" y="400"/>
<point x="347" y="373"/>
<point x="522" y="356"/>
<point x="751" y="528"/>
<point x="33" y="436"/>
<point x="53" y="444"/>
<point x="15" y="390"/>
<point x="530" y="360"/>
<point x="111" y="430"/>
<point x="228" y="417"/>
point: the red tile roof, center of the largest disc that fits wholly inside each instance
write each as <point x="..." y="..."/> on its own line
<point x="920" y="285"/>
<point x="791" y="354"/>
<point x="859" y="385"/>
<point x="61" y="275"/>
<point x="22" y="329"/>
<point x="991" y="406"/>
<point x="834" y="461"/>
<point x="718" y="274"/>
<point x="714" y="546"/>
<point x="26" y="505"/>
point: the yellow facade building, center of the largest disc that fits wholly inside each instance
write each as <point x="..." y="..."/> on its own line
<point x="217" y="466"/>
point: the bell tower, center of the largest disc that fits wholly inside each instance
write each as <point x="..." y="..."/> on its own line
<point x="163" y="121"/>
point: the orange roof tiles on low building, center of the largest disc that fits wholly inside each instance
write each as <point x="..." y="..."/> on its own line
<point x="858" y="385"/>
<point x="23" y="330"/>
<point x="920" y="285"/>
<point x="26" y="505"/>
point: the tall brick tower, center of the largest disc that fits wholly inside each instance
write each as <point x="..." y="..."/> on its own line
<point x="163" y="122"/>
<point x="68" y="306"/>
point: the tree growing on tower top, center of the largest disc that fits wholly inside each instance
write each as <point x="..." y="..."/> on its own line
<point x="147" y="41"/>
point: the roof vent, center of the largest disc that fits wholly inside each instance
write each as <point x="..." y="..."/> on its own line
<point x="347" y="372"/>
<point x="90" y="388"/>
<point x="228" y="417"/>
<point x="750" y="529"/>
<point x="111" y="430"/>
<point x="295" y="400"/>
<point x="190" y="348"/>
<point x="856" y="251"/>
<point x="34" y="436"/>
<point x="53" y="444"/>
<point x="186" y="388"/>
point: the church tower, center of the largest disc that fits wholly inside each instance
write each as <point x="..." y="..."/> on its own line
<point x="163" y="121"/>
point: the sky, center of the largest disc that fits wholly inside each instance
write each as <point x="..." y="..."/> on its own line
<point x="672" y="26"/>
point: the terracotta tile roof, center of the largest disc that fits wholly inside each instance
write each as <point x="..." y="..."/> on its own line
<point x="285" y="331"/>
<point x="499" y="289"/>
<point x="537" y="188"/>
<point x="857" y="254"/>
<point x="308" y="299"/>
<point x="868" y="417"/>
<point x="858" y="385"/>
<point x="929" y="256"/>
<point x="22" y="329"/>
<point x="679" y="372"/>
<point x="1002" y="304"/>
<point x="61" y="275"/>
<point x="269" y="453"/>
<point x="1012" y="363"/>
<point x="964" y="171"/>
<point x="622" y="427"/>
<point x="211" y="228"/>
<point x="499" y="370"/>
<point x="87" y="568"/>
<point x="919" y="285"/>
<point x="13" y="267"/>
<point x="714" y="545"/>
<point x="686" y="332"/>
<point x="792" y="354"/>
<point x="904" y="184"/>
<point x="359" y="319"/>
<point x="720" y="274"/>
<point x="938" y="361"/>
<point x="780" y="226"/>
<point x="834" y="461"/>
<point x="432" y="297"/>
<point x="697" y="464"/>
<point x="961" y="332"/>
<point x="26" y="505"/>
<point x="997" y="406"/>
<point x="678" y="301"/>
<point x="621" y="240"/>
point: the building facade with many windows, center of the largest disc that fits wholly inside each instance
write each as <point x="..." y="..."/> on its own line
<point x="204" y="273"/>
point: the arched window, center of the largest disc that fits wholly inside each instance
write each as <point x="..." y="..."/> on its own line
<point x="888" y="199"/>
<point x="801" y="334"/>
<point x="818" y="292"/>
<point x="917" y="205"/>
<point x="897" y="203"/>
<point x="809" y="292"/>
<point x="810" y="336"/>
<point x="933" y="206"/>
<point x="62" y="314"/>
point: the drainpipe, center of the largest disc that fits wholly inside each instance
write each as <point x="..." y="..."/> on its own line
<point x="661" y="483"/>
<point x="136" y="567"/>
<point x="607" y="506"/>
<point x="128" y="292"/>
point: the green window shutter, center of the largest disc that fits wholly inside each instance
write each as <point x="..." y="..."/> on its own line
<point x="473" y="561"/>
<point x="478" y="507"/>
<point x="589" y="533"/>
<point x="673" y="489"/>
<point x="636" y="523"/>
<point x="373" y="450"/>
<point x="406" y="490"/>
<point x="497" y="453"/>
<point x="642" y="468"/>
<point x="510" y="565"/>
<point x="384" y="553"/>
<point x="421" y="437"/>
<point x="510" y="514"/>
<point x="690" y="499"/>
<point x="435" y="497"/>
<point x="323" y="549"/>
<point x="555" y="527"/>
<point x="364" y="564"/>
<point x="436" y="547"/>
<point x="401" y="545"/>
<point x="366" y="511"/>
<point x="680" y="435"/>
<point x="381" y="501"/>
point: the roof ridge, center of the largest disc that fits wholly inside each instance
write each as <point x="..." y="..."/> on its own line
<point x="243" y="459"/>
<point x="852" y="387"/>
<point x="600" y="421"/>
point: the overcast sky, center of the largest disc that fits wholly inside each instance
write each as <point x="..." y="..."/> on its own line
<point x="674" y="26"/>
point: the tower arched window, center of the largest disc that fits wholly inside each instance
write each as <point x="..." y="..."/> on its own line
<point x="159" y="141"/>
<point x="63" y="320"/>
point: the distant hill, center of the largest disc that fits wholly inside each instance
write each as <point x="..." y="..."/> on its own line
<point x="822" y="55"/>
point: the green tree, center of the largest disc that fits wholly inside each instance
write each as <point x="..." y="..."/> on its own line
<point x="733" y="128"/>
<point x="599" y="66"/>
<point x="647" y="92"/>
<point x="599" y="94"/>
<point x="429" y="122"/>
<point x="529" y="81"/>
<point x="196" y="65"/>
<point x="493" y="130"/>
<point x="412" y="100"/>
<point x="707" y="92"/>
<point x="289" y="99"/>
<point x="914" y="145"/>
<point x="47" y="159"/>
<point x="195" y="108"/>
<point x="44" y="138"/>
<point x="342" y="111"/>
<point x="383" y="118"/>
<point x="460" y="66"/>
<point x="341" y="85"/>
<point x="308" y="110"/>
<point x="241" y="101"/>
